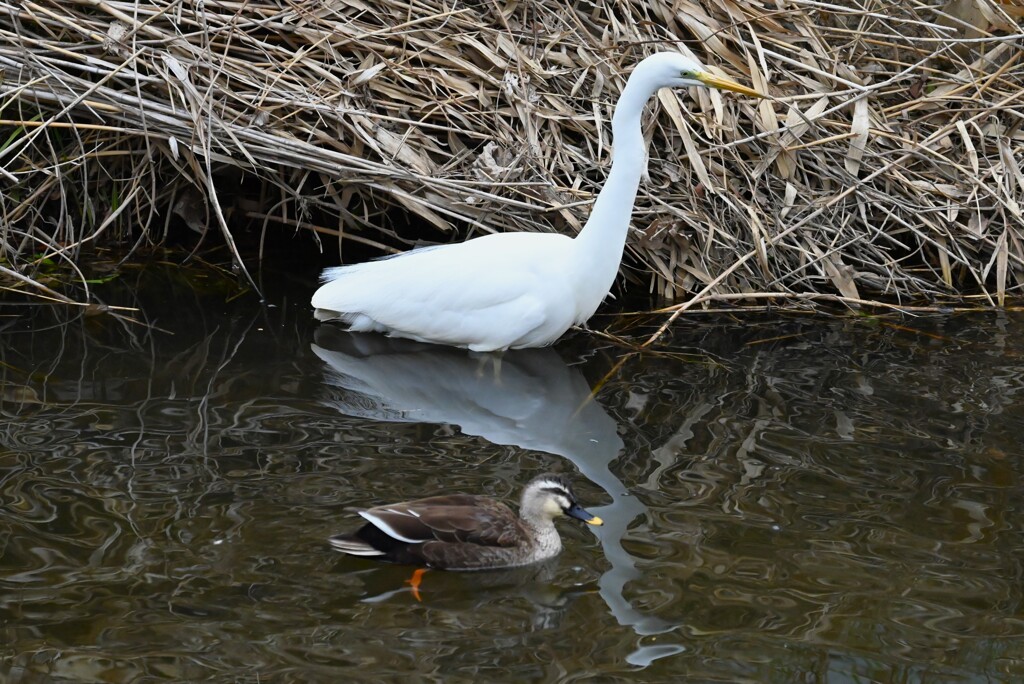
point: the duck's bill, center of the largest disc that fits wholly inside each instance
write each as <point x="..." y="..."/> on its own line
<point x="723" y="83"/>
<point x="576" y="512"/>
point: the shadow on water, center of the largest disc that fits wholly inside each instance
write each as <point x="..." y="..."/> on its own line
<point x="791" y="499"/>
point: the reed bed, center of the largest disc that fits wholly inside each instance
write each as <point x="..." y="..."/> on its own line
<point x="886" y="167"/>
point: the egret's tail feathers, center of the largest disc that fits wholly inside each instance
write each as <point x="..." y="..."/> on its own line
<point x="353" y="546"/>
<point x="333" y="273"/>
<point x="356" y="322"/>
<point x="326" y="315"/>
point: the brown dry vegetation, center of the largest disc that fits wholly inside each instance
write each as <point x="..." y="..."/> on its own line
<point x="887" y="166"/>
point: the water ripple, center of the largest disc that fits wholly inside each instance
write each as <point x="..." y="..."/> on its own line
<point x="836" y="504"/>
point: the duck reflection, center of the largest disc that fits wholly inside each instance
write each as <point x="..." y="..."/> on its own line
<point x="528" y="398"/>
<point x="536" y="583"/>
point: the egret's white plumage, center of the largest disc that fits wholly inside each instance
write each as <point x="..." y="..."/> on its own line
<point x="514" y="290"/>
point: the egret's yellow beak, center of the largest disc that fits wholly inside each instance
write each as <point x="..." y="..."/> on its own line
<point x="722" y="83"/>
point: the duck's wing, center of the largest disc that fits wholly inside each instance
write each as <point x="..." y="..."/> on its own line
<point x="458" y="518"/>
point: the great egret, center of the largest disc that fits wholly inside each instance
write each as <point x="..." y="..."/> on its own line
<point x="514" y="290"/>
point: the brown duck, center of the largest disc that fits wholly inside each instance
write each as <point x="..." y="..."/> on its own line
<point x="466" y="531"/>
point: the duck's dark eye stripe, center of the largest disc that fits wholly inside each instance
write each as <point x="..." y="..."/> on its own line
<point x="558" y="491"/>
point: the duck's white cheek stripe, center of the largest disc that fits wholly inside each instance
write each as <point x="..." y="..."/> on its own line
<point x="387" y="529"/>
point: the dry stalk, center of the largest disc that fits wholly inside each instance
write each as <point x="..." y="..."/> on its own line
<point x="886" y="166"/>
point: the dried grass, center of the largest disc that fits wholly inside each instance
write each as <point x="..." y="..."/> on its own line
<point x="887" y="166"/>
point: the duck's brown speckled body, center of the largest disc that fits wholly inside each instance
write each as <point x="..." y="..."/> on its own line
<point x="466" y="531"/>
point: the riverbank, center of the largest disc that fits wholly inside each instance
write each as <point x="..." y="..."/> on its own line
<point x="885" y="168"/>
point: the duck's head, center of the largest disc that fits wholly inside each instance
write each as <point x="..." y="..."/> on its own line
<point x="548" y="496"/>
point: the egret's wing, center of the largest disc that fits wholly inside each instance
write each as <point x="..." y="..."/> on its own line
<point x="334" y="272"/>
<point x="484" y="292"/>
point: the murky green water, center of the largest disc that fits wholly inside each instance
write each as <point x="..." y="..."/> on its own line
<point x="787" y="499"/>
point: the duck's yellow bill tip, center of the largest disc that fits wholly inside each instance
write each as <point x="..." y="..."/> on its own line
<point x="723" y="83"/>
<point x="595" y="521"/>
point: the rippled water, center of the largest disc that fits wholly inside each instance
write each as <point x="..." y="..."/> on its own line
<point x="787" y="499"/>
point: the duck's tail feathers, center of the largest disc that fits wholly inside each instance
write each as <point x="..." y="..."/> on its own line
<point x="353" y="546"/>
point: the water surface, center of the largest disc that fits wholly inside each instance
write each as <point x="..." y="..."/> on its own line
<point x="787" y="498"/>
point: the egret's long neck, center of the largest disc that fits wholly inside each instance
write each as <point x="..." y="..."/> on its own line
<point x="602" y="239"/>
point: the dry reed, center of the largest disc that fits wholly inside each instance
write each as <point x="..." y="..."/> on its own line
<point x="887" y="166"/>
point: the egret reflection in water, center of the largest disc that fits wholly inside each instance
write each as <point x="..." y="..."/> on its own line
<point x="528" y="398"/>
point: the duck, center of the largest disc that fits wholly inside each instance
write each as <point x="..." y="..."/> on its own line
<point x="468" y="531"/>
<point x="515" y="290"/>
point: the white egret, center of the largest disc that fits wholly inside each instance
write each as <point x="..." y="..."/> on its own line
<point x="514" y="290"/>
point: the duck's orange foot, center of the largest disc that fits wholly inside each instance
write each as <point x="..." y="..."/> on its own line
<point x="415" y="581"/>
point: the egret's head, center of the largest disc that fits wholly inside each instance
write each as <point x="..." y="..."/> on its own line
<point x="676" y="70"/>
